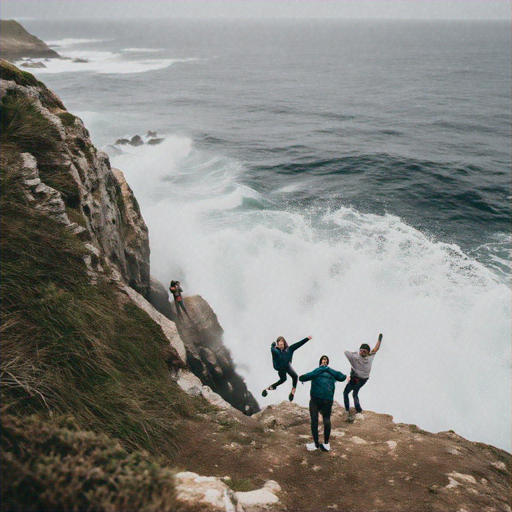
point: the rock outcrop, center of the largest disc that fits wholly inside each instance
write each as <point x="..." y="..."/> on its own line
<point x="207" y="356"/>
<point x="197" y="492"/>
<point x="16" y="43"/>
<point x="70" y="168"/>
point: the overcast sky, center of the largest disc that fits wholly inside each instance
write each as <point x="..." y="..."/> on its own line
<point x="393" y="9"/>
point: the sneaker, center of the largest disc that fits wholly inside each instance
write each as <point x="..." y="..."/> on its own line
<point x="311" y="447"/>
<point x="326" y="447"/>
<point x="264" y="392"/>
<point x="290" y="397"/>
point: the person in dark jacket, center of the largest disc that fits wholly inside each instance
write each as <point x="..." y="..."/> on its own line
<point x="175" y="289"/>
<point x="323" y="382"/>
<point x="282" y="356"/>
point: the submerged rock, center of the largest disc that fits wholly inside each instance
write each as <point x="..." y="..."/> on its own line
<point x="154" y="142"/>
<point x="34" y="65"/>
<point x="136" y="140"/>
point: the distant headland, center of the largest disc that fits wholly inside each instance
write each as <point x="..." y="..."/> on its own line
<point x="16" y="43"/>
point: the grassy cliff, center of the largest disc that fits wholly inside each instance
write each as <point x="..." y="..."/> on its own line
<point x="85" y="380"/>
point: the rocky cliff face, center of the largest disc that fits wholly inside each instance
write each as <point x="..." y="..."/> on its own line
<point x="16" y="43"/>
<point x="68" y="172"/>
<point x="65" y="176"/>
<point x="207" y="356"/>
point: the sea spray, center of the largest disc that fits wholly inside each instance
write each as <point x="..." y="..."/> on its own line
<point x="270" y="267"/>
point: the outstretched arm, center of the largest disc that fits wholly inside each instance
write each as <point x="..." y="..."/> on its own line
<point x="376" y="348"/>
<point x="299" y="344"/>
<point x="337" y="375"/>
<point x="311" y="375"/>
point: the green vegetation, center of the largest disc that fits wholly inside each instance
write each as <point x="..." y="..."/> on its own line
<point x="55" y="466"/>
<point x="9" y="71"/>
<point x="67" y="118"/>
<point x="240" y="484"/>
<point x="75" y="350"/>
<point x="26" y="130"/>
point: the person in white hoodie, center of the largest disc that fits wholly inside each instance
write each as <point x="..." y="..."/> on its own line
<point x="361" y="365"/>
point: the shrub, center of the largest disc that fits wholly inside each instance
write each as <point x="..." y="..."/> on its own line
<point x="55" y="466"/>
<point x="9" y="71"/>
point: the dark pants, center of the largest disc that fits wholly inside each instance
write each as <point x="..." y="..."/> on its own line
<point x="282" y="377"/>
<point x="354" y="385"/>
<point x="322" y="406"/>
<point x="180" y="306"/>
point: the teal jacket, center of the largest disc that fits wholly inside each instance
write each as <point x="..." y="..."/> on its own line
<point x="323" y="381"/>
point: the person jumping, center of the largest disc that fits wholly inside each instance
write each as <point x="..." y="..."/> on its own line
<point x="323" y="382"/>
<point x="361" y="363"/>
<point x="282" y="356"/>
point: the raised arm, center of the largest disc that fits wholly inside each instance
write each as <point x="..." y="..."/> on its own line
<point x="376" y="348"/>
<point x="274" y="349"/>
<point x="299" y="344"/>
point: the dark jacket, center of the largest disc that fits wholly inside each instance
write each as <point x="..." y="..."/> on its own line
<point x="282" y="358"/>
<point x="323" y="381"/>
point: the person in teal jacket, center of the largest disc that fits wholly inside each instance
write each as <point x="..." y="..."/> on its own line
<point x="323" y="382"/>
<point x="282" y="356"/>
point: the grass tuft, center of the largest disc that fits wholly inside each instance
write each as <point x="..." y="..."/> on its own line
<point x="56" y="466"/>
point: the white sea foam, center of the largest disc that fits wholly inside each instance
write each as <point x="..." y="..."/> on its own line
<point x="102" y="62"/>
<point x="141" y="50"/>
<point x="65" y="43"/>
<point x="341" y="276"/>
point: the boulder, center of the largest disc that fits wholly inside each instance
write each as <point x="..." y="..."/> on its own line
<point x="154" y="142"/>
<point x="151" y="134"/>
<point x="121" y="142"/>
<point x="136" y="140"/>
<point x="283" y="415"/>
<point x="204" y="493"/>
<point x="211" y="493"/>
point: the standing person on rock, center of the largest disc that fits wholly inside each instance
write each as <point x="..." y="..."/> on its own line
<point x="282" y="356"/>
<point x="361" y="364"/>
<point x="175" y="289"/>
<point x="323" y="382"/>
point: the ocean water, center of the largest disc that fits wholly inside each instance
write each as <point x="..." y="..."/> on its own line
<point x="333" y="179"/>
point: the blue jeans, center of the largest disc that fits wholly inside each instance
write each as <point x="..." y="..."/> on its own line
<point x="354" y="387"/>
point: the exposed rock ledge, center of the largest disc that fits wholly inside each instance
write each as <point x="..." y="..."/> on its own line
<point x="17" y="43"/>
<point x="374" y="464"/>
<point x="207" y="356"/>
